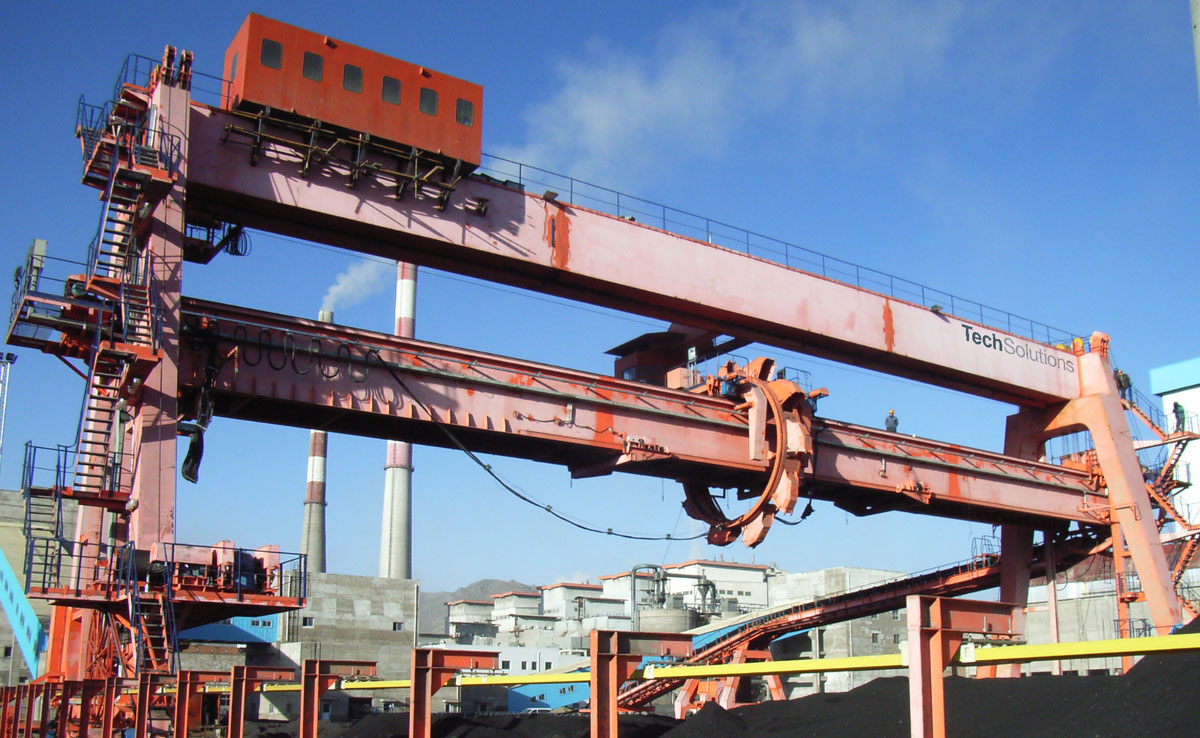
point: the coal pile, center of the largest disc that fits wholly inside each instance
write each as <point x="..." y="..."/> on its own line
<point x="1154" y="699"/>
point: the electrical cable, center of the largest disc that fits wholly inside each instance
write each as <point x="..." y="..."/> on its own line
<point x="499" y="480"/>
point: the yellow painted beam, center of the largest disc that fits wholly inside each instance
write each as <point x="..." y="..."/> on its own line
<point x="515" y="679"/>
<point x="978" y="655"/>
<point x="1081" y="649"/>
<point x="761" y="668"/>
<point x="378" y="684"/>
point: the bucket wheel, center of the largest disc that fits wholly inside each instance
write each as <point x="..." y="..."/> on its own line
<point x="780" y="432"/>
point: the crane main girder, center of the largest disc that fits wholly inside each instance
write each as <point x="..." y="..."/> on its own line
<point x="278" y="369"/>
<point x="503" y="234"/>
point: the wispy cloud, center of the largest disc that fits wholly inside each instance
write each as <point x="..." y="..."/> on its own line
<point x="705" y="77"/>
<point x="358" y="282"/>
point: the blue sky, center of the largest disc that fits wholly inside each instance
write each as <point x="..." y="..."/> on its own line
<point x="1038" y="158"/>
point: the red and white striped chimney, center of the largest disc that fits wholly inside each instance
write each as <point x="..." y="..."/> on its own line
<point x="395" y="539"/>
<point x="312" y="537"/>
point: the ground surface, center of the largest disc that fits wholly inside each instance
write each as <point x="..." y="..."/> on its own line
<point x="1156" y="698"/>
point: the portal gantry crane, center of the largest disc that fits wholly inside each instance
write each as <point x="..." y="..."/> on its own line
<point x="160" y="366"/>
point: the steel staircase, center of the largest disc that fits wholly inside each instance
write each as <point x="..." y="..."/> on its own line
<point x="152" y="616"/>
<point x="1160" y="496"/>
<point x="1142" y="415"/>
<point x="97" y="466"/>
<point x="116" y="239"/>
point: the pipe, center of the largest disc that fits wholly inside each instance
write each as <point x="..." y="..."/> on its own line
<point x="395" y="537"/>
<point x="312" y="536"/>
<point x="634" y="618"/>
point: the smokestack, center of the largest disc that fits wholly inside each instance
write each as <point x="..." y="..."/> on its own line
<point x="312" y="537"/>
<point x="395" y="540"/>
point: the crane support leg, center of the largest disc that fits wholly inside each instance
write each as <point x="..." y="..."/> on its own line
<point x="1100" y="412"/>
<point x="153" y="517"/>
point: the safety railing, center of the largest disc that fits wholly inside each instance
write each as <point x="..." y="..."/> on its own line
<point x="79" y="568"/>
<point x="135" y="142"/>
<point x="138" y="69"/>
<point x="38" y="473"/>
<point x="1129" y="585"/>
<point x="1133" y="628"/>
<point x="31" y="279"/>
<point x="701" y="228"/>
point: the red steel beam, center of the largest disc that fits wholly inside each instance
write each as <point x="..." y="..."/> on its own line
<point x="278" y="369"/>
<point x="563" y="249"/>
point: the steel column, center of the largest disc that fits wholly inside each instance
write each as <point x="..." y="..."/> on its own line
<point x="89" y="690"/>
<point x="936" y="627"/>
<point x="1016" y="556"/>
<point x="317" y="676"/>
<point x="67" y="690"/>
<point x="8" y="696"/>
<point x="35" y="692"/>
<point x="189" y="686"/>
<point x="615" y="656"/>
<point x="146" y="685"/>
<point x="432" y="668"/>
<point x="243" y="679"/>
<point x="108" y="706"/>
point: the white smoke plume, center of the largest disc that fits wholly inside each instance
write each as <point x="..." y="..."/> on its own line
<point x="358" y="282"/>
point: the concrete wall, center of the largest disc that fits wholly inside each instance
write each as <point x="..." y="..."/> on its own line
<point x="356" y="618"/>
<point x="559" y="599"/>
<point x="744" y="583"/>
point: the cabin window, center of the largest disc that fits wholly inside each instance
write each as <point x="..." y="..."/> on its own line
<point x="352" y="78"/>
<point x="428" y="101"/>
<point x="314" y="66"/>
<point x="272" y="54"/>
<point x="233" y="68"/>
<point x="391" y="90"/>
<point x="464" y="113"/>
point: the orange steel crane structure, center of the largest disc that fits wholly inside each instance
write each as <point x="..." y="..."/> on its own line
<point x="161" y="365"/>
